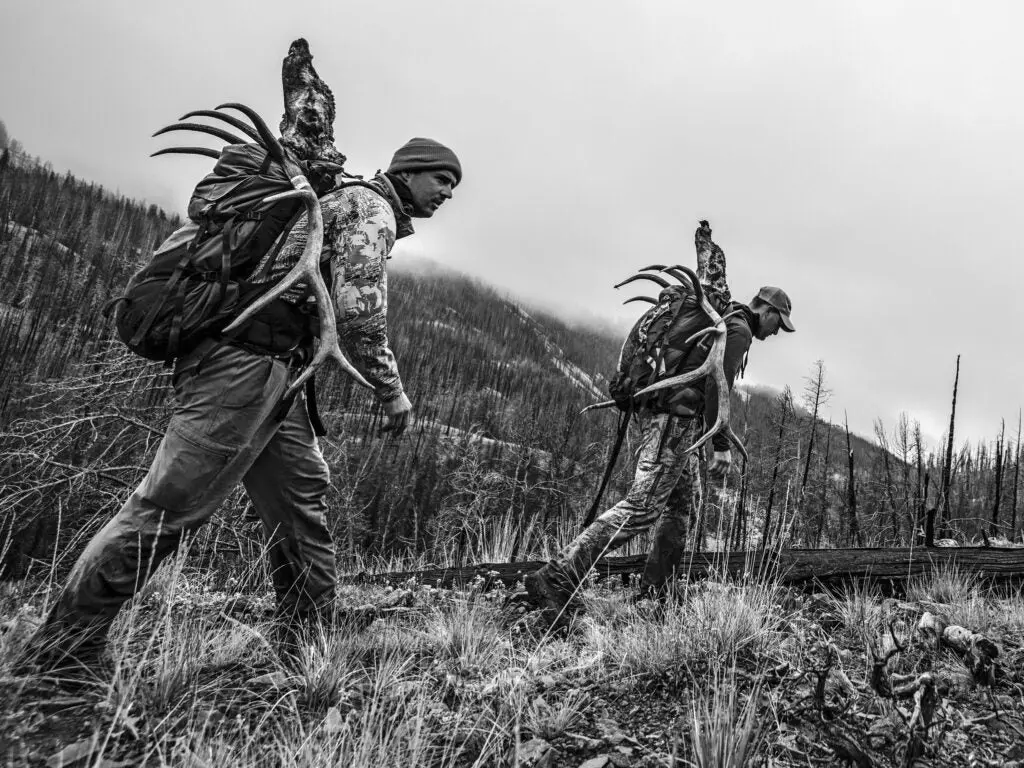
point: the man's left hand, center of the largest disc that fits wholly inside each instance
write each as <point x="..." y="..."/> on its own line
<point x="398" y="413"/>
<point x="720" y="463"/>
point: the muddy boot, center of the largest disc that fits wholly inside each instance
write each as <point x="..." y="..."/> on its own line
<point x="551" y="590"/>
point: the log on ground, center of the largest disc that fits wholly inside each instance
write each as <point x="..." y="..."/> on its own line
<point x="793" y="567"/>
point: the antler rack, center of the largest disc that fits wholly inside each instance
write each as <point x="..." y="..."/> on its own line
<point x="308" y="266"/>
<point x="714" y="365"/>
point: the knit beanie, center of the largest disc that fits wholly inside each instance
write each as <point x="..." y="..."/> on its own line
<point x="421" y="154"/>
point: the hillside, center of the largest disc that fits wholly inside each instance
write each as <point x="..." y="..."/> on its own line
<point x="496" y="386"/>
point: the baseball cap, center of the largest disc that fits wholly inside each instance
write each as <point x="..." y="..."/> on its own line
<point x="779" y="299"/>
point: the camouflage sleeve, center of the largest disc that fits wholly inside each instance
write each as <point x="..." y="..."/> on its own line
<point x="359" y="232"/>
<point x="711" y="268"/>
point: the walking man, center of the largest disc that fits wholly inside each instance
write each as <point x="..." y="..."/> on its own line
<point x="228" y="427"/>
<point x="669" y="426"/>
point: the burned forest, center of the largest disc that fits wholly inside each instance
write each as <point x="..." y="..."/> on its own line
<point x="846" y="597"/>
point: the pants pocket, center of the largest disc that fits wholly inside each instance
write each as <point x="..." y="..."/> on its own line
<point x="183" y="472"/>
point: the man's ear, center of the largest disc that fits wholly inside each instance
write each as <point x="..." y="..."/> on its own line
<point x="403" y="175"/>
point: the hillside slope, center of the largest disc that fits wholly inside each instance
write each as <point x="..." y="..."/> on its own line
<point x="497" y="387"/>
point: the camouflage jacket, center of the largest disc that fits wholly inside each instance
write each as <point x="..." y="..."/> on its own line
<point x="360" y="228"/>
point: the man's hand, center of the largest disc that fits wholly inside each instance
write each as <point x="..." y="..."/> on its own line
<point x="720" y="463"/>
<point x="398" y="413"/>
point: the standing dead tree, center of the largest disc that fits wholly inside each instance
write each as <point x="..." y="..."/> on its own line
<point x="890" y="494"/>
<point x="784" y="405"/>
<point x="851" y="488"/>
<point x="825" y="485"/>
<point x="947" y="465"/>
<point x="816" y="396"/>
<point x="1016" y="479"/>
<point x="998" y="491"/>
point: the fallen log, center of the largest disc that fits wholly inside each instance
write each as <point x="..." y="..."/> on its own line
<point x="793" y="567"/>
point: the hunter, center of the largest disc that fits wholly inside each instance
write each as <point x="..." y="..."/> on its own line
<point x="228" y="426"/>
<point x="669" y="426"/>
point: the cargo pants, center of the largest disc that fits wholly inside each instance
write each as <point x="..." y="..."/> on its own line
<point x="663" y="470"/>
<point x="225" y="430"/>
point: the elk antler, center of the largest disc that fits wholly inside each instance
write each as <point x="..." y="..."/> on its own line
<point x="261" y="134"/>
<point x="308" y="265"/>
<point x="308" y="268"/>
<point x="684" y="275"/>
<point x="713" y="365"/>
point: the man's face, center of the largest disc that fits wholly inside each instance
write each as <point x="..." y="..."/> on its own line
<point x="429" y="190"/>
<point x="770" y="321"/>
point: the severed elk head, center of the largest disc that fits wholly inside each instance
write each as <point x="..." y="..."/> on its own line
<point x="306" y="147"/>
<point x="714" y="365"/>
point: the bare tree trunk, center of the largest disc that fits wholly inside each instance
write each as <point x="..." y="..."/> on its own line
<point x="999" y="480"/>
<point x="851" y="489"/>
<point x="883" y="443"/>
<point x="1016" y="478"/>
<point x="815" y="396"/>
<point x="785" y="404"/>
<point x="947" y="465"/>
<point x="823" y="508"/>
<point x="921" y="486"/>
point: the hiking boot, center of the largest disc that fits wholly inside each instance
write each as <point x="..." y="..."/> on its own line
<point x="549" y="588"/>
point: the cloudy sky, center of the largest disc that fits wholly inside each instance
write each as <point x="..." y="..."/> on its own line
<point x="865" y="156"/>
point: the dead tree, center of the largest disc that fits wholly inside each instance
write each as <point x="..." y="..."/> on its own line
<point x="1016" y="479"/>
<point x="785" y="405"/>
<point x="1000" y="450"/>
<point x="816" y="395"/>
<point x="883" y="444"/>
<point x="851" y="489"/>
<point x="823" y="506"/>
<point x="947" y="465"/>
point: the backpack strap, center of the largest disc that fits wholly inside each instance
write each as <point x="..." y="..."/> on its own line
<point x="314" y="412"/>
<point x="176" y="323"/>
<point x="172" y="283"/>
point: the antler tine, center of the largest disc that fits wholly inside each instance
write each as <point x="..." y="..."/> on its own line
<point x="653" y="278"/>
<point x="308" y="268"/>
<point x="648" y="299"/>
<point x="206" y="151"/>
<point x="681" y="273"/>
<point x="229" y="119"/>
<point x="220" y="133"/>
<point x="686" y="276"/>
<point x="268" y="139"/>
<point x="598" y="406"/>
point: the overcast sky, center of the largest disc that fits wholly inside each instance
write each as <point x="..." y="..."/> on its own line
<point x="864" y="156"/>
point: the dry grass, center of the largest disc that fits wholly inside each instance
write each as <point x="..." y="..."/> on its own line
<point x="458" y="679"/>
<point x="723" y="726"/>
<point x="703" y="624"/>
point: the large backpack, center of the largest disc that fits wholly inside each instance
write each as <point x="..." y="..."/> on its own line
<point x="197" y="280"/>
<point x="656" y="347"/>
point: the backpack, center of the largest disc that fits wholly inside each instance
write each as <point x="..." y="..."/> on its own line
<point x="656" y="348"/>
<point x="197" y="281"/>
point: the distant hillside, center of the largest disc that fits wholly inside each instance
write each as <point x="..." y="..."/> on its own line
<point x="497" y="387"/>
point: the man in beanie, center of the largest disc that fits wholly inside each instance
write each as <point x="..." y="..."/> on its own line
<point x="424" y="173"/>
<point x="233" y="426"/>
<point x="670" y="424"/>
